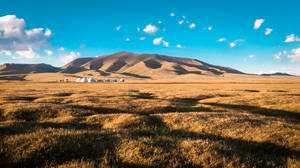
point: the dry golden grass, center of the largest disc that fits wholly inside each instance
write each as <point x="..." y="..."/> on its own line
<point x="149" y="125"/>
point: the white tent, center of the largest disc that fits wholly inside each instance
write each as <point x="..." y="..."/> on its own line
<point x="122" y="80"/>
<point x="84" y="80"/>
<point x="78" y="80"/>
<point x="114" y="80"/>
<point x="91" y="80"/>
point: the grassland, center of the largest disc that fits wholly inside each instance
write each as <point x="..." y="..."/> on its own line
<point x="149" y="125"/>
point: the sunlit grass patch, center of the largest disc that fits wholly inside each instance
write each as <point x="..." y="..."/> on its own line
<point x="143" y="125"/>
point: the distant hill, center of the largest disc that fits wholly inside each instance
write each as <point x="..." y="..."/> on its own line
<point x="277" y="74"/>
<point x="145" y="65"/>
<point x="26" y="68"/>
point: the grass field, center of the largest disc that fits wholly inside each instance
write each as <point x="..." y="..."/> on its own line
<point x="149" y="125"/>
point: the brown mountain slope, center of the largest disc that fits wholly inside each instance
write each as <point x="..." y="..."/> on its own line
<point x="145" y="65"/>
<point x="26" y="68"/>
<point x="122" y="64"/>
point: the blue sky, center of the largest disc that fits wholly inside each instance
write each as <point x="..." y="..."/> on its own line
<point x="220" y="32"/>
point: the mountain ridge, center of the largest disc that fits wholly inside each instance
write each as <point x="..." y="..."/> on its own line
<point x="128" y="64"/>
<point x="13" y="68"/>
<point x="277" y="74"/>
<point x="141" y="63"/>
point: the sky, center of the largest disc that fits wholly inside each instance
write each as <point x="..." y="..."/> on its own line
<point x="253" y="36"/>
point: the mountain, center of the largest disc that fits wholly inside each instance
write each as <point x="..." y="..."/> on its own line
<point x="6" y="69"/>
<point x="144" y="65"/>
<point x="277" y="74"/>
<point x="122" y="64"/>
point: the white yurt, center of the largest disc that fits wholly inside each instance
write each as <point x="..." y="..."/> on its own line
<point x="91" y="80"/>
<point x="84" y="80"/>
<point x="114" y="80"/>
<point x="122" y="80"/>
<point x="78" y="80"/>
<point x="100" y="80"/>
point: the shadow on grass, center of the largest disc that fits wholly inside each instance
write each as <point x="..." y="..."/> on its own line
<point x="177" y="105"/>
<point x="21" y="98"/>
<point x="29" y="126"/>
<point x="57" y="149"/>
<point x="296" y="95"/>
<point x="93" y="145"/>
<point x="143" y="96"/>
<point x="189" y="101"/>
<point x="254" y="154"/>
<point x="260" y="110"/>
<point x="81" y="111"/>
<point x="278" y="91"/>
<point x="62" y="94"/>
<point x="172" y="109"/>
<point x="13" y="77"/>
<point x="249" y="90"/>
<point x="133" y="91"/>
<point x="89" y="145"/>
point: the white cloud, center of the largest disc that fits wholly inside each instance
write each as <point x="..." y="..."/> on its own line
<point x="157" y="41"/>
<point x="138" y="29"/>
<point x="258" y="23"/>
<point x="150" y="29"/>
<point x="295" y="56"/>
<point x="183" y="17"/>
<point x="118" y="28"/>
<point x="178" y="46"/>
<point x="159" y="22"/>
<point x="34" y="32"/>
<point x="165" y="43"/>
<point x="222" y="39"/>
<point x="48" y="32"/>
<point x="49" y="52"/>
<point x="180" y="22"/>
<point x="61" y="49"/>
<point x="251" y="56"/>
<point x="192" y="25"/>
<point x="291" y="38"/>
<point x="11" y="26"/>
<point x="29" y="54"/>
<point x="268" y="31"/>
<point x="277" y="56"/>
<point x="209" y="28"/>
<point x="6" y="52"/>
<point x="142" y="38"/>
<point x="284" y="52"/>
<point x="13" y="36"/>
<point x="69" y="57"/>
<point x="127" y="39"/>
<point x="172" y="14"/>
<point x="234" y="43"/>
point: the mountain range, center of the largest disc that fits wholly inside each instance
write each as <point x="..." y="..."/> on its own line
<point x="123" y="64"/>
